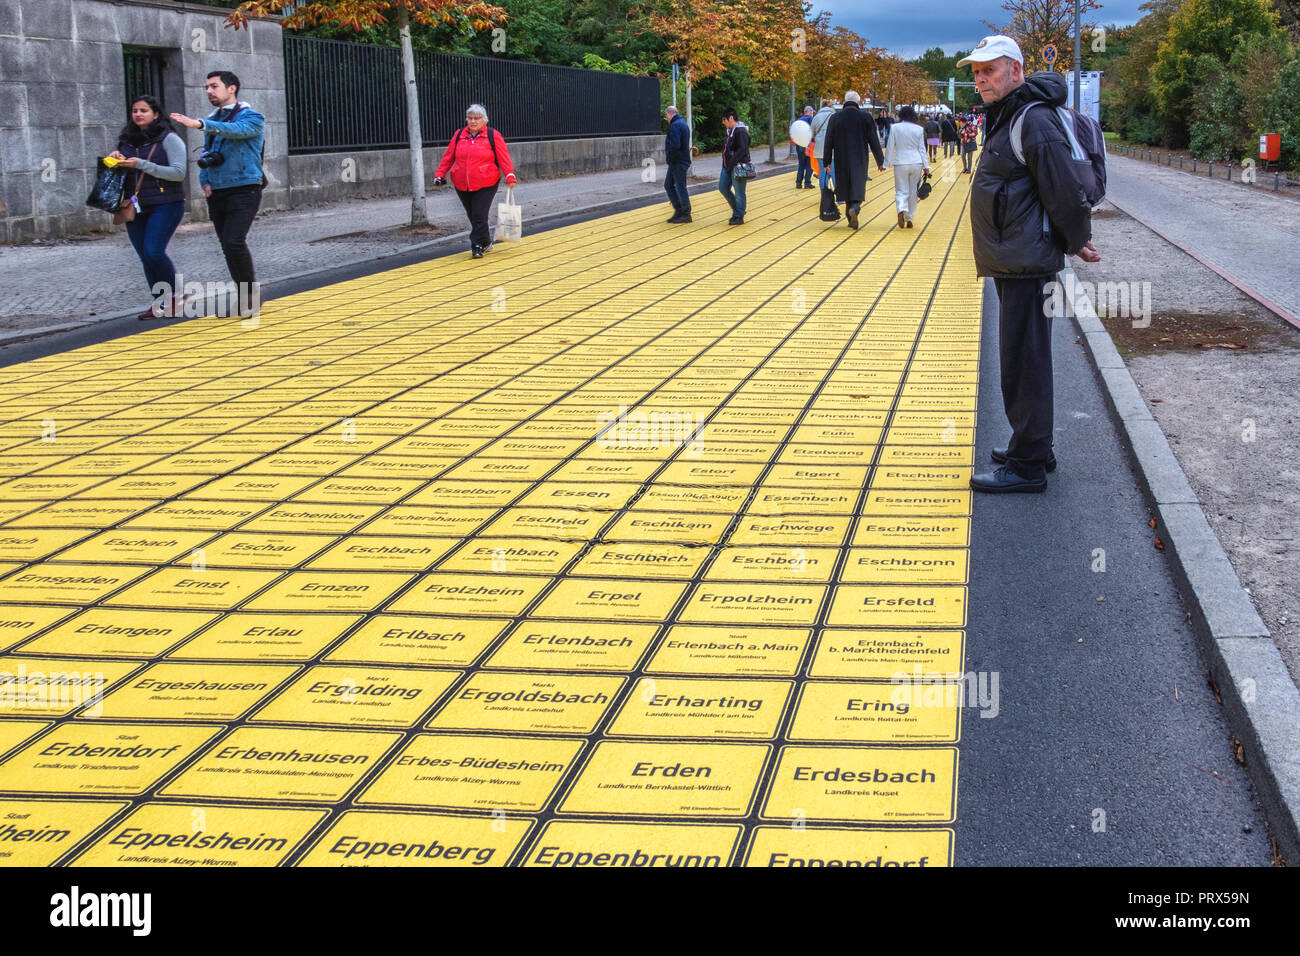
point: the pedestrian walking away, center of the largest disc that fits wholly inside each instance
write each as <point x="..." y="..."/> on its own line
<point x="906" y="154"/>
<point x="475" y="160"/>
<point x="825" y="179"/>
<point x="852" y="132"/>
<point x="933" y="132"/>
<point x="149" y="145"/>
<point x="966" y="137"/>
<point x="1025" y="217"/>
<point x="230" y="172"/>
<point x="736" y="166"/>
<point x="883" y="124"/>
<point x="948" y="134"/>
<point x="677" y="153"/>
<point x="803" y="175"/>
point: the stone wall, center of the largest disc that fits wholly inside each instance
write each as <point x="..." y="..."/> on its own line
<point x="65" y="90"/>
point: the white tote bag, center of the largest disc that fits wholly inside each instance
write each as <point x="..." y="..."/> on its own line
<point x="510" y="218"/>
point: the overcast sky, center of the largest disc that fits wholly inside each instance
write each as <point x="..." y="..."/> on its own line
<point x="909" y="27"/>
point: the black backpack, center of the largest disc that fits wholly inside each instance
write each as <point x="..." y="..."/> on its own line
<point x="1087" y="147"/>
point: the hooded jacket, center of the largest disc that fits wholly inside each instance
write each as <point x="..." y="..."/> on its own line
<point x="1026" y="216"/>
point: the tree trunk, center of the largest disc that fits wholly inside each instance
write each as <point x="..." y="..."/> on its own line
<point x="419" y="212"/>
<point x="689" y="122"/>
<point x="771" y="122"/>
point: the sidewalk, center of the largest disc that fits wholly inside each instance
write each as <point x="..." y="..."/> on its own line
<point x="89" y="277"/>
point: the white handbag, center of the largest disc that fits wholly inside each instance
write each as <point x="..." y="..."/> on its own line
<point x="510" y="218"/>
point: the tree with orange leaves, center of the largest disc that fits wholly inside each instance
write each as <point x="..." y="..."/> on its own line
<point x="697" y="33"/>
<point x="360" y="14"/>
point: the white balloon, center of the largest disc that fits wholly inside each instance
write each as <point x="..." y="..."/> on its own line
<point x="801" y="132"/>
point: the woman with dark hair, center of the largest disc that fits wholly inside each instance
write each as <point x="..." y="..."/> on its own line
<point x="155" y="188"/>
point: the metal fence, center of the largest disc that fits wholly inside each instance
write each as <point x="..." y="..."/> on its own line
<point x="349" y="96"/>
<point x="1251" y="175"/>
<point x="142" y="72"/>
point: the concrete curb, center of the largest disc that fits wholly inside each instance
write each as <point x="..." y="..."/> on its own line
<point x="609" y="206"/>
<point x="1260" y="700"/>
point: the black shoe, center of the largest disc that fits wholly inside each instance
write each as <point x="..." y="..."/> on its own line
<point x="476" y="252"/>
<point x="1005" y="481"/>
<point x="736" y="221"/>
<point x="677" y="217"/>
<point x="853" y="210"/>
<point x="999" y="456"/>
<point x="680" y="218"/>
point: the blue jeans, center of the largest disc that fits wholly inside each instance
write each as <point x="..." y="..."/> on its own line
<point x="150" y="231"/>
<point x="803" y="175"/>
<point x="675" y="187"/>
<point x="733" y="191"/>
<point x="825" y="178"/>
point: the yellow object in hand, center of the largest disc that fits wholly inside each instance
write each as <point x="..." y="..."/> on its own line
<point x="111" y="161"/>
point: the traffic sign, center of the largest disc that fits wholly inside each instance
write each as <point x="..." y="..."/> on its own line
<point x="1049" y="54"/>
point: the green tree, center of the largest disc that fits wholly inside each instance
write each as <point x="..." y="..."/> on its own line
<point x="1216" y="128"/>
<point x="1214" y="28"/>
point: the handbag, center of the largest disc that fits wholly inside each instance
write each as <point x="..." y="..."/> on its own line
<point x="109" y="189"/>
<point x="510" y="218"/>
<point x="129" y="207"/>
<point x="923" y="190"/>
<point x="743" y="171"/>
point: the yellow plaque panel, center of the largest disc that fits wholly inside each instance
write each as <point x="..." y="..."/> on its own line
<point x="256" y="487"/>
<point x="39" y="687"/>
<point x="553" y="523"/>
<point x="98" y="757"/>
<point x="574" y="645"/>
<point x="665" y="526"/>
<point x="213" y="588"/>
<point x="644" y="560"/>
<point x="195" y="691"/>
<point x="461" y="494"/>
<point x="20" y="621"/>
<point x="879" y="655"/>
<point x="474" y="772"/>
<point x="388" y="553"/>
<point x="729" y="650"/>
<point x="529" y="703"/>
<point x="575" y="843"/>
<point x="321" y="519"/>
<point x="329" y="591"/>
<point x="357" y="696"/>
<point x="807" y="565"/>
<point x="949" y="455"/>
<point x="709" y="473"/>
<point x="265" y="637"/>
<point x="283" y="764"/>
<point x="906" y="566"/>
<point x="369" y="838"/>
<point x="604" y="471"/>
<point x="886" y="532"/>
<point x="512" y="556"/>
<point x="38" y="832"/>
<point x="864" y="784"/>
<point x="67" y="583"/>
<point x="462" y="593"/>
<point x="771" y="500"/>
<point x="23" y="546"/>
<point x="716" y="709"/>
<point x="951" y="479"/>
<point x="820" y="477"/>
<point x="182" y="834"/>
<point x="636" y="779"/>
<point x="259" y="550"/>
<point x="505" y="469"/>
<point x="622" y="600"/>
<point x="906" y="713"/>
<point x="188" y="514"/>
<point x="868" y="605"/>
<point x="727" y="603"/>
<point x="407" y="639"/>
<point x="75" y="513"/>
<point x="920" y="502"/>
<point x="809" y="847"/>
<point x="691" y="501"/>
<point x="110" y="632"/>
<point x="427" y="520"/>
<point x="14" y="732"/>
<point x="791" y="530"/>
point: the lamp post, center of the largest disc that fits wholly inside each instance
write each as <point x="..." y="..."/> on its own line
<point x="1078" y="56"/>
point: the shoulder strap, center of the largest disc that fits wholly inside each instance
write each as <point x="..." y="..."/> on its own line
<point x="492" y="142"/>
<point x="1018" y="132"/>
<point x="1066" y="118"/>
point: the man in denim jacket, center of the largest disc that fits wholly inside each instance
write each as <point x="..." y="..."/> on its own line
<point x="234" y="132"/>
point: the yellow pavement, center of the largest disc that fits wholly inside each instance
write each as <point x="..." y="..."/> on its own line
<point x="601" y="549"/>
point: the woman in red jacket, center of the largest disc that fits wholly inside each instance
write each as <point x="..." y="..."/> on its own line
<point x="476" y="158"/>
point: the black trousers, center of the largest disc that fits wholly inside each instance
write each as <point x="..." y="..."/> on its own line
<point x="478" y="203"/>
<point x="232" y="211"/>
<point x="1025" y="350"/>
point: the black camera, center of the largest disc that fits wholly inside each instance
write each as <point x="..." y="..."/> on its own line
<point x="208" y="160"/>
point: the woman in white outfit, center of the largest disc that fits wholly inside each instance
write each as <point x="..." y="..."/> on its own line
<point x="907" y="154"/>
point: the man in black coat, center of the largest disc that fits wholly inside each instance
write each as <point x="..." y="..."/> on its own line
<point x="1024" y="218"/>
<point x="851" y="133"/>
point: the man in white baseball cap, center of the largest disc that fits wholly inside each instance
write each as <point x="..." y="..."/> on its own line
<point x="1025" y="217"/>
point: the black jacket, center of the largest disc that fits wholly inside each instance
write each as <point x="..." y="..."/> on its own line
<point x="947" y="130"/>
<point x="677" y="144"/>
<point x="1025" y="217"/>
<point x="735" y="149"/>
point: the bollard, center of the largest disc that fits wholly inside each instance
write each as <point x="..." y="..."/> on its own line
<point x="1193" y="164"/>
<point x="1211" y="170"/>
<point x="1276" y="184"/>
